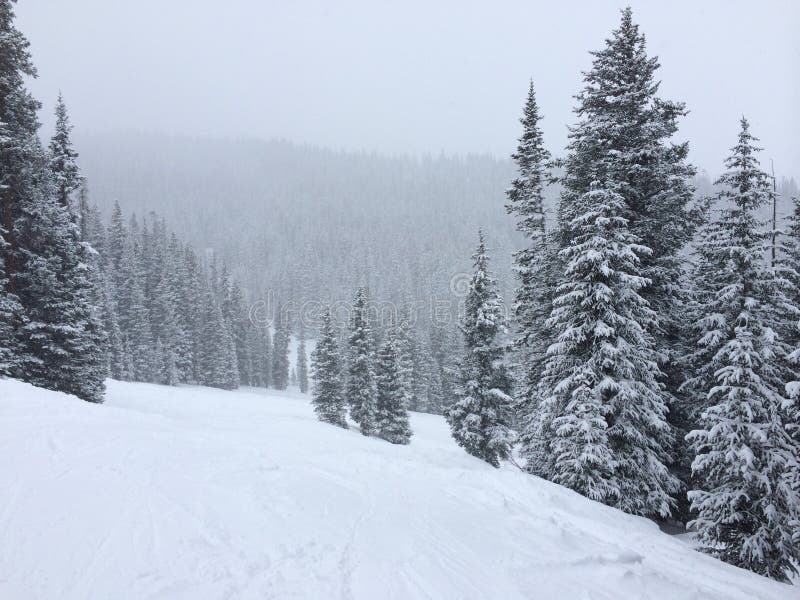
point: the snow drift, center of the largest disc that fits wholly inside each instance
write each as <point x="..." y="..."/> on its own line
<point x="199" y="493"/>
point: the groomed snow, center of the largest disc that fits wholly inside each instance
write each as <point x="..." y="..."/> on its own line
<point x="202" y="494"/>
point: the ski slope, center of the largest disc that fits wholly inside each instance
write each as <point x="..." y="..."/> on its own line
<point x="192" y="493"/>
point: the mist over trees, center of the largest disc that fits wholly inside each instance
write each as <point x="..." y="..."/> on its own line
<point x="649" y="360"/>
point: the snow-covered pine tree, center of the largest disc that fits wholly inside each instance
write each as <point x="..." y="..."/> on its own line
<point x="791" y="406"/>
<point x="480" y="416"/>
<point x="301" y="368"/>
<point x="115" y="344"/>
<point x="163" y="305"/>
<point x="624" y="135"/>
<point x="265" y="356"/>
<point x="536" y="265"/>
<point x="744" y="500"/>
<point x="601" y="426"/>
<point x="63" y="157"/>
<point x="431" y="392"/>
<point x="46" y="261"/>
<point x="215" y="355"/>
<point x="86" y="367"/>
<point x="391" y="414"/>
<point x="18" y="127"/>
<point x="11" y="317"/>
<point x="280" y="350"/>
<point x="360" y="390"/>
<point x="445" y="347"/>
<point x="407" y="357"/>
<point x="183" y="291"/>
<point x="134" y="318"/>
<point x="326" y="369"/>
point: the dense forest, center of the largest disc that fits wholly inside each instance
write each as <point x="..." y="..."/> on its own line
<point x="627" y="329"/>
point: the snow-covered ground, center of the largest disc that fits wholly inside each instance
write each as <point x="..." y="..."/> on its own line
<point x="202" y="494"/>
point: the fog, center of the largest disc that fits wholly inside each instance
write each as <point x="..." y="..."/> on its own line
<point x="407" y="77"/>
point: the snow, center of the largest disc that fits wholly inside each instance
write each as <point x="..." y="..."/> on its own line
<point x="197" y="493"/>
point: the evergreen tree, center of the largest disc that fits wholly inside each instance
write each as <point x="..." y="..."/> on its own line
<point x="536" y="264"/>
<point x="216" y="357"/>
<point x="624" y="135"/>
<point x="63" y="157"/>
<point x="744" y="500"/>
<point x="360" y="382"/>
<point x="480" y="416"/>
<point x="406" y="356"/>
<point x="11" y="318"/>
<point x="115" y="344"/>
<point x="601" y="428"/>
<point x="791" y="405"/>
<point x="302" y="364"/>
<point x="265" y="355"/>
<point x="62" y="340"/>
<point x="391" y="415"/>
<point x="181" y="288"/>
<point x="280" y="351"/>
<point x="327" y="372"/>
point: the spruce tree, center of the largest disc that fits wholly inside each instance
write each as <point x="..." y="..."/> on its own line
<point x="265" y="357"/>
<point x="791" y="329"/>
<point x="744" y="500"/>
<point x="280" y="351"/>
<point x="601" y="427"/>
<point x="360" y="389"/>
<point x="62" y="338"/>
<point x="624" y="135"/>
<point x="391" y="414"/>
<point x="536" y="265"/>
<point x="11" y="318"/>
<point x="215" y="354"/>
<point x="326" y="369"/>
<point x="301" y="368"/>
<point x="63" y="157"/>
<point x="479" y="419"/>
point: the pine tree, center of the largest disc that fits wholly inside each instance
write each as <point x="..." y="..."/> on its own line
<point x="48" y="269"/>
<point x="302" y="364"/>
<point x="601" y="429"/>
<point x="360" y="389"/>
<point x="536" y="264"/>
<point x="18" y="129"/>
<point x="744" y="500"/>
<point x="327" y="372"/>
<point x="11" y="318"/>
<point x="216" y="357"/>
<point x="265" y="356"/>
<point x="791" y="331"/>
<point x="115" y="343"/>
<point x="624" y="135"/>
<point x="391" y="414"/>
<point x="406" y="372"/>
<point x="182" y="290"/>
<point x="63" y="157"/>
<point x="280" y="351"/>
<point x="480" y="416"/>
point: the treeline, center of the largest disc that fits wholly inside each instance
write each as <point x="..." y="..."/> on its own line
<point x="171" y="317"/>
<point x="658" y="381"/>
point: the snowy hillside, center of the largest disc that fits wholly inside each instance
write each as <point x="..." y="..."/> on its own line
<point x="202" y="494"/>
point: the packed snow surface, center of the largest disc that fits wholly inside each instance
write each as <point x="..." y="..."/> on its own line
<point x="203" y="494"/>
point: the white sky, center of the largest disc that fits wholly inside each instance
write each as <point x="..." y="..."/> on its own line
<point x="410" y="76"/>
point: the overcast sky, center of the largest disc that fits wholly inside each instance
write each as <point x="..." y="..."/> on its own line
<point x="410" y="76"/>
